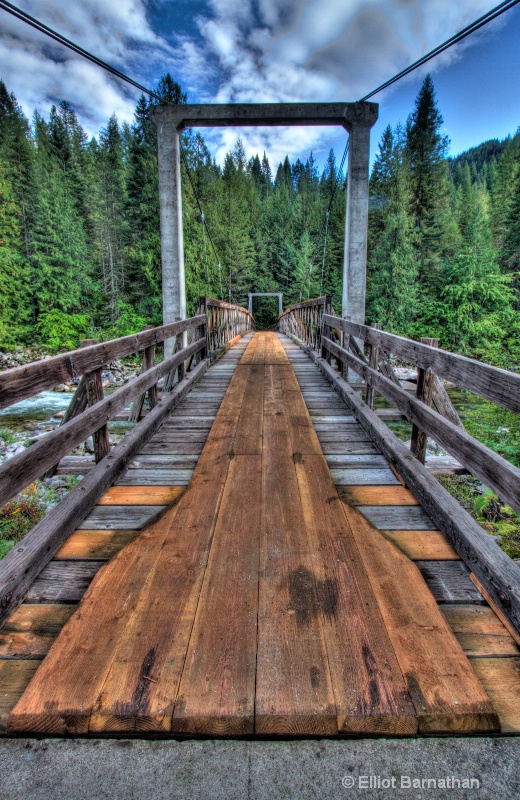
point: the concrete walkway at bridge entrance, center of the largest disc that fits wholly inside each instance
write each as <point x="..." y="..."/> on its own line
<point x="259" y="570"/>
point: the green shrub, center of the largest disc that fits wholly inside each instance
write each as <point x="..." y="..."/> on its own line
<point x="61" y="331"/>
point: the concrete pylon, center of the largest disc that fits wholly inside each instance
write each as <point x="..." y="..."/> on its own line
<point x="356" y="225"/>
<point x="172" y="240"/>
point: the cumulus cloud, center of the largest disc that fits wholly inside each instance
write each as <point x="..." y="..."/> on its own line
<point x="247" y="51"/>
<point x="41" y="72"/>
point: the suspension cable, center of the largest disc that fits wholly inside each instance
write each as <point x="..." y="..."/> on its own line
<point x="489" y="16"/>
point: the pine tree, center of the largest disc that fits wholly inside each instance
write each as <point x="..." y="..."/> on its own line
<point x="426" y="151"/>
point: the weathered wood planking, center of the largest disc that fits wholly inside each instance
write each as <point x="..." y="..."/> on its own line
<point x="422" y="545"/>
<point x="492" y="566"/>
<point x="62" y="582"/>
<point x="109" y="517"/>
<point x="294" y="691"/>
<point x="412" y="518"/>
<point x="377" y="496"/>
<point x="446" y="694"/>
<point x="449" y="582"/>
<point x="217" y="690"/>
<point x="94" y="545"/>
<point x="144" y="496"/>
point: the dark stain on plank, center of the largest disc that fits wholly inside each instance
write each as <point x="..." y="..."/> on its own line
<point x="327" y="596"/>
<point x="372" y="671"/>
<point x="315" y="677"/>
<point x="143" y="684"/>
<point x="302" y="595"/>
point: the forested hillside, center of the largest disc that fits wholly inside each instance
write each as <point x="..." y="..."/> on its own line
<point x="80" y="243"/>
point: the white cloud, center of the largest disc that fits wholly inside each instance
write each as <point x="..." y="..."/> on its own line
<point x="247" y="51"/>
<point x="41" y="72"/>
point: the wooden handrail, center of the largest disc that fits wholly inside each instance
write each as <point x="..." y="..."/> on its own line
<point x="497" y="473"/>
<point x="498" y="385"/>
<point x="22" y="469"/>
<point x="22" y="382"/>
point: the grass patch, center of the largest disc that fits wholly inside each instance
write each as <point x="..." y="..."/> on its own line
<point x="7" y="437"/>
<point x="495" y="517"/>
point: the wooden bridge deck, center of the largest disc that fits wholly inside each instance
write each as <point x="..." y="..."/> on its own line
<point x="294" y="587"/>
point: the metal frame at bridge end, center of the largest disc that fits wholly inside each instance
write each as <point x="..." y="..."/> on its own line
<point x="171" y="119"/>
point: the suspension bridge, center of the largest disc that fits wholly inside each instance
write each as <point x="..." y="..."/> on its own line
<point x="260" y="555"/>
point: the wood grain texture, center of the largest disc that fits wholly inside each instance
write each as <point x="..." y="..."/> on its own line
<point x="294" y="689"/>
<point x="449" y="582"/>
<point x="398" y="517"/>
<point x="441" y="683"/>
<point x="217" y="691"/>
<point x="39" y="618"/>
<point x="141" y="495"/>
<point x="94" y="545"/>
<point x="14" y="678"/>
<point x="422" y="545"/>
<point x="109" y="517"/>
<point x="501" y="680"/>
<point x="377" y="496"/>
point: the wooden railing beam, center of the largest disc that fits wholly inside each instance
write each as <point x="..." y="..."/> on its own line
<point x="493" y="470"/>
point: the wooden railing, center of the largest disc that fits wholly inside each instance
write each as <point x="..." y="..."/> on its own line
<point x="304" y="320"/>
<point x="344" y="343"/>
<point x="225" y="323"/>
<point x="89" y="414"/>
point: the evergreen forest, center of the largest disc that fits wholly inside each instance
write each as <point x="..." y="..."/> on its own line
<point x="80" y="241"/>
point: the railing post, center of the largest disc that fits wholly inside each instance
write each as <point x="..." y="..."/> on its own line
<point x="94" y="392"/>
<point x="373" y="360"/>
<point x="136" y="409"/>
<point x="425" y="385"/>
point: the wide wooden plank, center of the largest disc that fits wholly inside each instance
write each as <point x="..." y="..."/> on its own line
<point x="501" y="680"/>
<point x="370" y="692"/>
<point x="377" y="496"/>
<point x="422" y="545"/>
<point x="141" y="495"/>
<point x="248" y="439"/>
<point x="94" y="545"/>
<point x="68" y="684"/>
<point x="443" y="687"/>
<point x="217" y="690"/>
<point x="17" y="645"/>
<point x="173" y="448"/>
<point x="155" y="477"/>
<point x="294" y="690"/>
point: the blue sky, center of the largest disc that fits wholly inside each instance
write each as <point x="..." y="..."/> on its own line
<point x="268" y="51"/>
